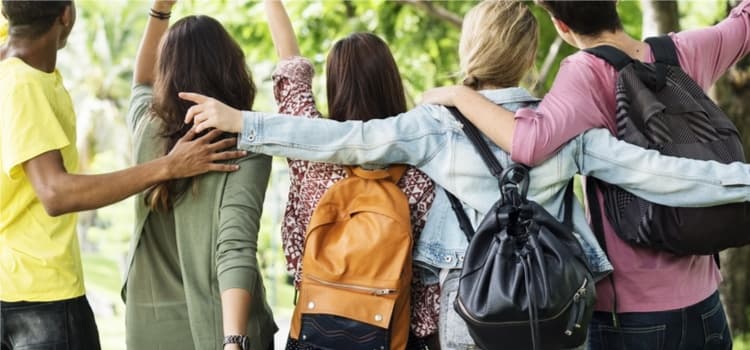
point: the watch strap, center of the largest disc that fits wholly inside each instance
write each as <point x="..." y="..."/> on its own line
<point x="242" y="340"/>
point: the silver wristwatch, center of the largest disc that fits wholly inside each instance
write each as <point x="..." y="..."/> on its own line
<point x="242" y="340"/>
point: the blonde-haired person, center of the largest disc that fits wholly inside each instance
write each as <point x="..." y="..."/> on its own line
<point x="491" y="27"/>
<point x="430" y="138"/>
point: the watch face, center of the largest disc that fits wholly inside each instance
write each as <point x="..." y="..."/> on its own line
<point x="245" y="343"/>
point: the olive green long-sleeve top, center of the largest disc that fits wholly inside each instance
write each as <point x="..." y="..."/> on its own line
<point x="181" y="260"/>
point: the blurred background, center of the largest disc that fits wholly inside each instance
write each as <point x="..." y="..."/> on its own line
<point x="97" y="66"/>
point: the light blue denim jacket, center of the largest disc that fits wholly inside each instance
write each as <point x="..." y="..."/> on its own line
<point x="430" y="138"/>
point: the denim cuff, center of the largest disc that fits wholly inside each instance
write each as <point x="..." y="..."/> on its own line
<point x="252" y="124"/>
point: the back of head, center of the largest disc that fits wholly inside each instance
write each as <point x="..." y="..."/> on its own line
<point x="31" y="19"/>
<point x="196" y="55"/>
<point x="363" y="81"/>
<point x="498" y="43"/>
<point x="585" y="17"/>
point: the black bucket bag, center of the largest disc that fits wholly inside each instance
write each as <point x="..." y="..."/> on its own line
<point x="525" y="282"/>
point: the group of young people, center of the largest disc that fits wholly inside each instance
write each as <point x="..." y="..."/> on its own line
<point x="192" y="275"/>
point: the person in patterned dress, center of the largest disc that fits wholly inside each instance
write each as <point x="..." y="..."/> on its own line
<point x="362" y="80"/>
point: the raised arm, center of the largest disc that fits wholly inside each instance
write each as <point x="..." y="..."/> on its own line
<point x="282" y="31"/>
<point x="709" y="52"/>
<point x="145" y="59"/>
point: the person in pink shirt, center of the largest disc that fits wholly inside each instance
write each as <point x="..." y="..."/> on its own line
<point x="662" y="301"/>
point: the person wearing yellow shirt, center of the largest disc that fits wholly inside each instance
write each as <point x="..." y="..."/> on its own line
<point x="42" y="297"/>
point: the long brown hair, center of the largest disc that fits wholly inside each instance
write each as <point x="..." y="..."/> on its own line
<point x="363" y="81"/>
<point x="196" y="55"/>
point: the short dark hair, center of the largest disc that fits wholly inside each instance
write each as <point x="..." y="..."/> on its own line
<point x="362" y="79"/>
<point x="34" y="17"/>
<point x="585" y="17"/>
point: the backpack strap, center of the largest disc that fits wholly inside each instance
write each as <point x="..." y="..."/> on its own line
<point x="612" y="55"/>
<point x="664" y="50"/>
<point x="569" y="199"/>
<point x="490" y="161"/>
<point x="597" y="224"/>
<point x="480" y="145"/>
<point x="463" y="220"/>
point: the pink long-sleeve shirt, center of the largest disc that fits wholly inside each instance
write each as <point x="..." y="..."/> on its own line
<point x="583" y="97"/>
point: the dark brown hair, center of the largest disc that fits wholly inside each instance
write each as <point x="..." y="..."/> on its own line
<point x="32" y="18"/>
<point x="363" y="81"/>
<point x="197" y="55"/>
<point x="585" y="17"/>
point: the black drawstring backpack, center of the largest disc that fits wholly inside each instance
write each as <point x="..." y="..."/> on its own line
<point x="525" y="282"/>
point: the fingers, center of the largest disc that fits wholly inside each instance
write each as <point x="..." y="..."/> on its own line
<point x="192" y="112"/>
<point x="223" y="144"/>
<point x="227" y="155"/>
<point x="210" y="136"/>
<point x="193" y="97"/>
<point x="223" y="167"/>
<point x="188" y="135"/>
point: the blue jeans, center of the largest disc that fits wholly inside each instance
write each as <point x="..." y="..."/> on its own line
<point x="700" y="326"/>
<point x="56" y="325"/>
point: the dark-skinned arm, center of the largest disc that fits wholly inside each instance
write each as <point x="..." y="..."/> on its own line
<point x="61" y="192"/>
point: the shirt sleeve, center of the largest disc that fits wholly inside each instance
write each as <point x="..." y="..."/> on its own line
<point x="140" y="102"/>
<point x="581" y="98"/>
<point x="239" y="223"/>
<point x="30" y="127"/>
<point x="707" y="53"/>
<point x="292" y="87"/>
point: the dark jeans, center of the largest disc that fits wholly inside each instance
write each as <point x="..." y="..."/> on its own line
<point x="57" y="325"/>
<point x="700" y="326"/>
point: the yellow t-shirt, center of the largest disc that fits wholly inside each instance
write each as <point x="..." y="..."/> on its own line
<point x="40" y="258"/>
<point x="3" y="30"/>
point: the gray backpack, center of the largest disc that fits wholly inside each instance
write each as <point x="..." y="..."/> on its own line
<point x="660" y="107"/>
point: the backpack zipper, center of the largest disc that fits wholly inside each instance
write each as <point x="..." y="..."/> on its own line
<point x="353" y="287"/>
<point x="510" y="323"/>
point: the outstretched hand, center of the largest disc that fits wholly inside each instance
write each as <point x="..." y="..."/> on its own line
<point x="191" y="156"/>
<point x="210" y="113"/>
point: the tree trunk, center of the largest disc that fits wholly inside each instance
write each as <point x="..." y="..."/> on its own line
<point x="659" y="17"/>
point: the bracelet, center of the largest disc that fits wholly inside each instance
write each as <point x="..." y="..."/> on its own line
<point x="159" y="14"/>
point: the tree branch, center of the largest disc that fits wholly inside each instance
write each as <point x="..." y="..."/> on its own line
<point x="436" y="11"/>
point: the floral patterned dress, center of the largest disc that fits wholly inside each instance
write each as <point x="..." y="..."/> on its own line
<point x="309" y="180"/>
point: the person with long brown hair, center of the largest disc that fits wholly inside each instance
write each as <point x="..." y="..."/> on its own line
<point x="362" y="80"/>
<point x="193" y="280"/>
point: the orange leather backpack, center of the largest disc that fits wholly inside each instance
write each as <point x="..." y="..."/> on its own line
<point x="357" y="266"/>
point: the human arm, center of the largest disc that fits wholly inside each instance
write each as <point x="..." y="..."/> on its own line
<point x="145" y="59"/>
<point x="235" y="306"/>
<point x="282" y="32"/>
<point x="237" y="268"/>
<point x="581" y="98"/>
<point x="409" y="138"/>
<point x="707" y="53"/>
<point x="62" y="192"/>
<point x="662" y="179"/>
